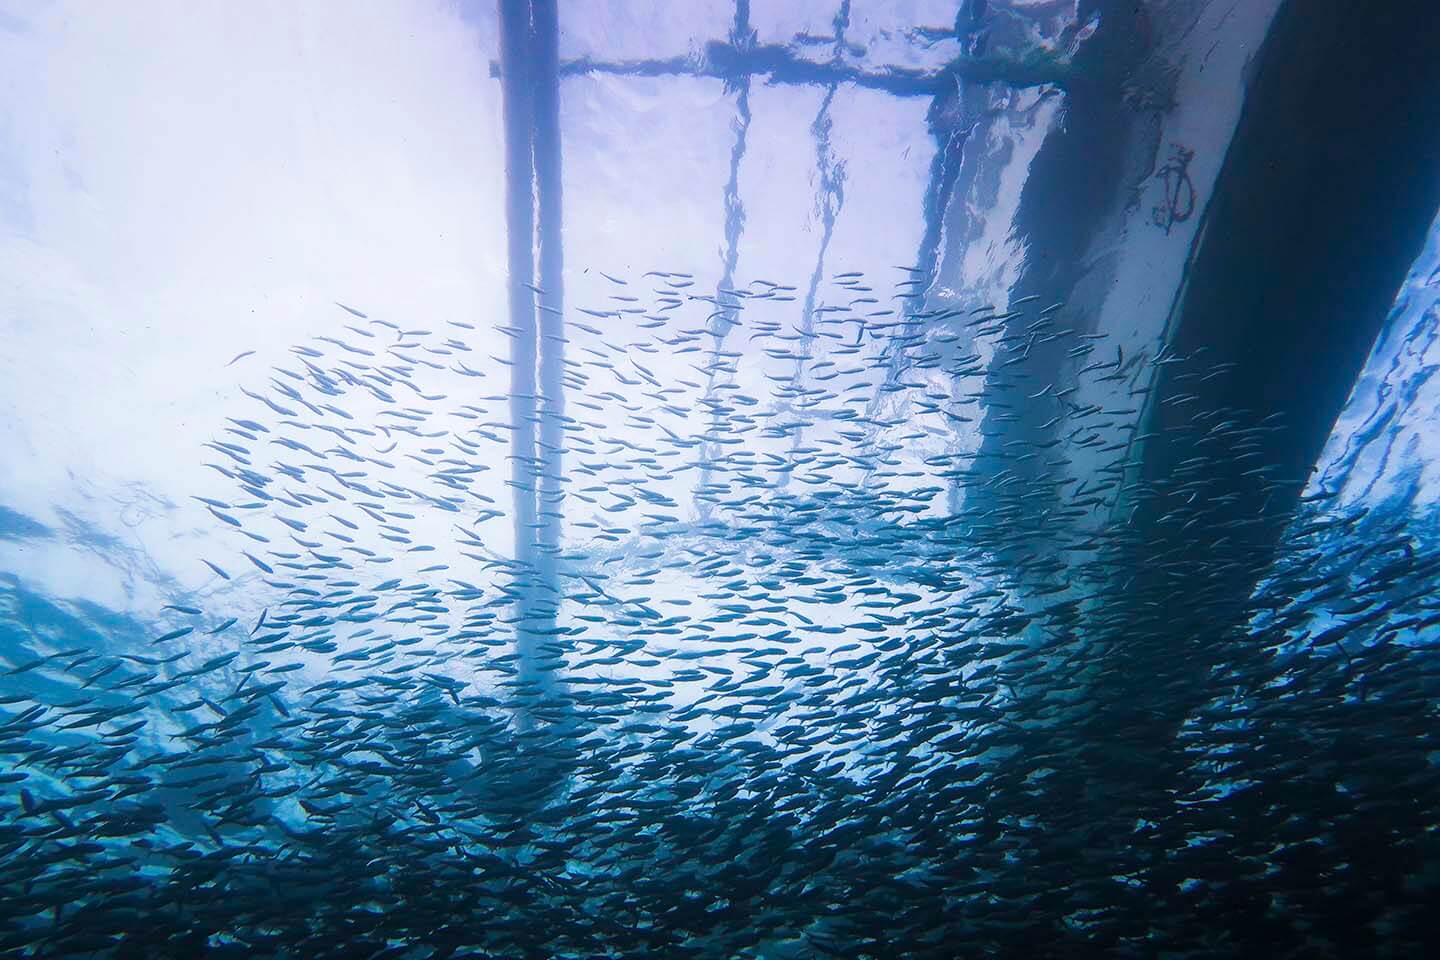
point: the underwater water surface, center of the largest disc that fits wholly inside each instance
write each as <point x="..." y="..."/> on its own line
<point x="715" y="480"/>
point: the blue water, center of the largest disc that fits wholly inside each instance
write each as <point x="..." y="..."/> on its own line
<point x="751" y="566"/>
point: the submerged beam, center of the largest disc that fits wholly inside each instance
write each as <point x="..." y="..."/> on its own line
<point x="1325" y="198"/>
<point x="730" y="61"/>
<point x="519" y="118"/>
<point x="1325" y="195"/>
<point x="530" y="84"/>
<point x="1076" y="181"/>
<point x="1260" y="210"/>
<point x="550" y="242"/>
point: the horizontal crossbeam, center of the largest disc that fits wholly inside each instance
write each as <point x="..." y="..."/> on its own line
<point x="726" y="61"/>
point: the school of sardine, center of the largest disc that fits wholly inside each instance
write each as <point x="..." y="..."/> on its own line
<point x="810" y="657"/>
